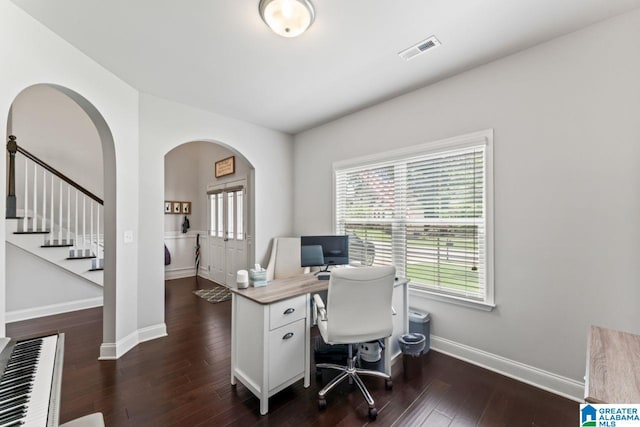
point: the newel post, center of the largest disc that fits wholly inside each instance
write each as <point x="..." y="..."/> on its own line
<point x="12" y="148"/>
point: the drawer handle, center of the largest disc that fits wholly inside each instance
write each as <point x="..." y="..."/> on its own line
<point x="289" y="311"/>
<point x="287" y="335"/>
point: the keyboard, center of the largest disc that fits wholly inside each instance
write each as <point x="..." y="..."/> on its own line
<point x="30" y="383"/>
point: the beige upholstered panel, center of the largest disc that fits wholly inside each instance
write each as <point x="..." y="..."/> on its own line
<point x="285" y="258"/>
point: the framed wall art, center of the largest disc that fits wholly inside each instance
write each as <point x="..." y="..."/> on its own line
<point x="225" y="167"/>
<point x="177" y="207"/>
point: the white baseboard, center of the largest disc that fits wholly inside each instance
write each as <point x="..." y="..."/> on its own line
<point x="113" y="351"/>
<point x="557" y="384"/>
<point x="152" y="332"/>
<point x="179" y="273"/>
<point x="107" y="351"/>
<point x="49" y="310"/>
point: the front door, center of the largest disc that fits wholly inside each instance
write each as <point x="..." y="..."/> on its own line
<point x="227" y="233"/>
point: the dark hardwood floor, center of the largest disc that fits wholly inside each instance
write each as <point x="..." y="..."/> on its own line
<point x="183" y="380"/>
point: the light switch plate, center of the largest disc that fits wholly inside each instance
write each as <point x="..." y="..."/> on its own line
<point x="128" y="236"/>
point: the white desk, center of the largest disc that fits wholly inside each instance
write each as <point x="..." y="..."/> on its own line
<point x="270" y="333"/>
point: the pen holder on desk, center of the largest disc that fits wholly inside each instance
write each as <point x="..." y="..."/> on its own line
<point x="258" y="278"/>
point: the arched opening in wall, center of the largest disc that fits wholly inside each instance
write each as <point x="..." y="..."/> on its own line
<point x="209" y="212"/>
<point x="60" y="252"/>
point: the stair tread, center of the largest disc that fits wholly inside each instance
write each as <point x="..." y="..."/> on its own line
<point x="81" y="254"/>
<point x="31" y="231"/>
<point x="57" y="243"/>
<point x="96" y="269"/>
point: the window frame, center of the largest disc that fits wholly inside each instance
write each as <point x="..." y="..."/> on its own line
<point x="484" y="137"/>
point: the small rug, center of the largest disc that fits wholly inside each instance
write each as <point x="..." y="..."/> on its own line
<point x="217" y="294"/>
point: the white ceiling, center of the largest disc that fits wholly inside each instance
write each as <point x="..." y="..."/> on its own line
<point x="218" y="55"/>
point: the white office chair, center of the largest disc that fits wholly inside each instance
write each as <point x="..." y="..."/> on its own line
<point x="358" y="310"/>
<point x="285" y="258"/>
<point x="93" y="420"/>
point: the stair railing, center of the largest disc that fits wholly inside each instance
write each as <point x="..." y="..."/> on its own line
<point x="54" y="203"/>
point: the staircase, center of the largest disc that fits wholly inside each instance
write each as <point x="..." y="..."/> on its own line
<point x="58" y="220"/>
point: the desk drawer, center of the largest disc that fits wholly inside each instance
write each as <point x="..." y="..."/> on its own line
<point x="286" y="353"/>
<point x="287" y="311"/>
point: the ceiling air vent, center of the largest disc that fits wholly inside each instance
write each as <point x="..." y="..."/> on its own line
<point x="419" y="48"/>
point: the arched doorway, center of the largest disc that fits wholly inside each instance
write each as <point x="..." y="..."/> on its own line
<point x="221" y="218"/>
<point x="54" y="207"/>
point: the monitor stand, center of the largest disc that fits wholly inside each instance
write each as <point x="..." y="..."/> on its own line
<point x="323" y="274"/>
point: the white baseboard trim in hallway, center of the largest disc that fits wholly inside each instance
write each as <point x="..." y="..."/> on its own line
<point x="113" y="351"/>
<point x="50" y="310"/>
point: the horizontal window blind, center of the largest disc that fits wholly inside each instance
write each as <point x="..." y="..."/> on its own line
<point x="426" y="214"/>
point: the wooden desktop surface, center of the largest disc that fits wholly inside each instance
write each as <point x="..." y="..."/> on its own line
<point x="613" y="367"/>
<point x="280" y="289"/>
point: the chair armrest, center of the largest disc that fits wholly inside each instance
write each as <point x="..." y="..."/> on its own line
<point x="319" y="309"/>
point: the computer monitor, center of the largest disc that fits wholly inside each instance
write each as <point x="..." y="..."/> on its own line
<point x="335" y="249"/>
<point x="311" y="256"/>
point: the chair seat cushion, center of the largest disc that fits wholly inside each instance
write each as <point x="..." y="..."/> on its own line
<point x="337" y="338"/>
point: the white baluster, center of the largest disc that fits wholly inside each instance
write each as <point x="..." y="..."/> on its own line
<point x="60" y="214"/>
<point x="84" y="222"/>
<point x="25" y="222"/>
<point x="52" y="222"/>
<point x="44" y="199"/>
<point x="35" y="197"/>
<point x="91" y="226"/>
<point x="68" y="214"/>
<point x="76" y="221"/>
<point x="98" y="254"/>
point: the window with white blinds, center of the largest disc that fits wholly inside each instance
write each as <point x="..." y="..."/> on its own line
<point x="424" y="212"/>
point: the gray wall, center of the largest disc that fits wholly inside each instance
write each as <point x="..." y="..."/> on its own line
<point x="37" y="55"/>
<point x="188" y="169"/>
<point x="51" y="126"/>
<point x="566" y="116"/>
<point x="165" y="125"/>
<point x="34" y="285"/>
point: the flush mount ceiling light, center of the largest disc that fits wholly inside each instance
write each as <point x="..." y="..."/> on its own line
<point x="287" y="18"/>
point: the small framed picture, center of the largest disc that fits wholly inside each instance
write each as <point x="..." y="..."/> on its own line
<point x="167" y="207"/>
<point x="186" y="208"/>
<point x="177" y="207"/>
<point x="225" y="167"/>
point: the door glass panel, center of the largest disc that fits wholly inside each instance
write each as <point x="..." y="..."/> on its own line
<point x="212" y="215"/>
<point x="219" y="215"/>
<point x="230" y="215"/>
<point x="239" y="215"/>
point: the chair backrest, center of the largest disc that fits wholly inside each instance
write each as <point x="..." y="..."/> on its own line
<point x="359" y="304"/>
<point x="285" y="258"/>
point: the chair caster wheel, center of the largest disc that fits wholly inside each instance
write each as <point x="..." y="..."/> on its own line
<point x="388" y="384"/>
<point x="322" y="403"/>
<point x="373" y="414"/>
